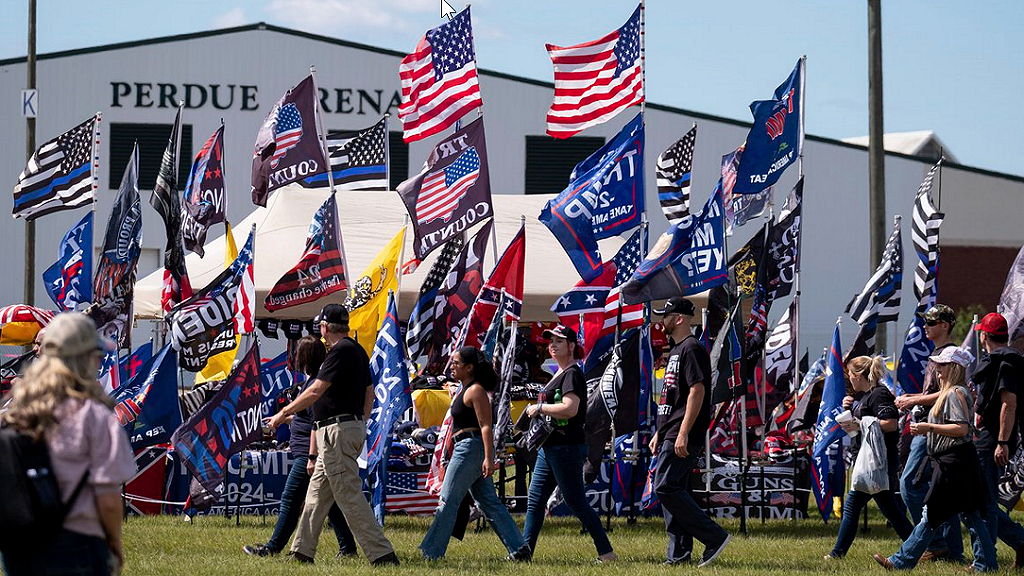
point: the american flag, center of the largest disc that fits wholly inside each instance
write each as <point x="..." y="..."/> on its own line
<point x="59" y="176"/>
<point x="407" y="493"/>
<point x="358" y="159"/>
<point x="673" y="171"/>
<point x="925" y="234"/>
<point x="245" y="298"/>
<point x="596" y="80"/>
<point x="421" y="322"/>
<point x="287" y="132"/>
<point x="880" y="298"/>
<point x="439" y="81"/>
<point x="442" y="190"/>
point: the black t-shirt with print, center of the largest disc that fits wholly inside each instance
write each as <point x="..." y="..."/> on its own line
<point x="688" y="364"/>
<point x="570" y="381"/>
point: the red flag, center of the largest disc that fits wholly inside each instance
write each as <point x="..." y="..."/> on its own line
<point x="507" y="275"/>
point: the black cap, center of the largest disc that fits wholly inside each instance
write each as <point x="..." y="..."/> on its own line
<point x="676" y="305"/>
<point x="939" y="313"/>
<point x="562" y="332"/>
<point x="333" y="314"/>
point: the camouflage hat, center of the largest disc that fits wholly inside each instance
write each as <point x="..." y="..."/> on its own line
<point x="939" y="313"/>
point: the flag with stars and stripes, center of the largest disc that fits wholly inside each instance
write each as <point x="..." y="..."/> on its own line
<point x="880" y="298"/>
<point x="421" y="322"/>
<point x="596" y="80"/>
<point x="673" y="171"/>
<point x="452" y="192"/>
<point x="925" y="235"/>
<point x="358" y="159"/>
<point x="407" y="494"/>
<point x="457" y="294"/>
<point x="59" y="176"/>
<point x="288" y="146"/>
<point x="439" y="81"/>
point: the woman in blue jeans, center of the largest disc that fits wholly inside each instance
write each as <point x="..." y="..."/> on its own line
<point x="957" y="486"/>
<point x="864" y="373"/>
<point x="309" y="356"/>
<point x="560" y="458"/>
<point x="472" y="461"/>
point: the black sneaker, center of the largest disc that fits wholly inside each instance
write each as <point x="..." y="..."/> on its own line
<point x="524" y="554"/>
<point x="258" y="550"/>
<point x="389" y="559"/>
<point x="711" y="555"/>
<point x="301" y="558"/>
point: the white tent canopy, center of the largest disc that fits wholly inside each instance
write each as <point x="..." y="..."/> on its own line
<point x="368" y="221"/>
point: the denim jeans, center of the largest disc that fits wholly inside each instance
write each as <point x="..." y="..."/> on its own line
<point x="562" y="466"/>
<point x="684" y="519"/>
<point x="999" y="524"/>
<point x="292" y="497"/>
<point x="464" y="475"/>
<point x="71" y="554"/>
<point x="852" y="507"/>
<point x="982" y="545"/>
<point x="948" y="536"/>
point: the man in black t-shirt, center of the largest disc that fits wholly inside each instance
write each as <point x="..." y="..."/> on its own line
<point x="341" y="397"/>
<point x="996" y="379"/>
<point x="684" y="412"/>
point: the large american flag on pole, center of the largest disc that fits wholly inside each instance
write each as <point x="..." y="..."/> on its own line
<point x="59" y="176"/>
<point x="439" y="81"/>
<point x="442" y="190"/>
<point x="596" y="80"/>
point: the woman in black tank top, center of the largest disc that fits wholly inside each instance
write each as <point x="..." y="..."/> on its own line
<point x="472" y="461"/>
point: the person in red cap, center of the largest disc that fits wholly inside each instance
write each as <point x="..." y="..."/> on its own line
<point x="996" y="380"/>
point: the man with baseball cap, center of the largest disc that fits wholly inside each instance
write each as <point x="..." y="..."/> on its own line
<point x="997" y="378"/>
<point x="684" y="412"/>
<point x="917" y="476"/>
<point x="341" y="397"/>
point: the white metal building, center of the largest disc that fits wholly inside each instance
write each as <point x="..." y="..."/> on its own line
<point x="236" y="74"/>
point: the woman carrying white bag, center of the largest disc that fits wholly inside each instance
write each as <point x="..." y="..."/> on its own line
<point x="873" y="399"/>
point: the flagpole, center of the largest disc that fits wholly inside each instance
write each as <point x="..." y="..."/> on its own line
<point x="643" y="63"/>
<point x="320" y="126"/>
<point x="94" y="169"/>
<point x="387" y="155"/>
<point x="398" y="265"/>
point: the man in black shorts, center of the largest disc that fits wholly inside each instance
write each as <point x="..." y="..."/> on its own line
<point x="341" y="396"/>
<point x="684" y="413"/>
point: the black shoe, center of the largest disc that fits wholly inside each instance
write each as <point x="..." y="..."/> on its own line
<point x="301" y="558"/>
<point x="524" y="554"/>
<point x="258" y="550"/>
<point x="345" y="554"/>
<point x="388" y="559"/>
<point x="711" y="555"/>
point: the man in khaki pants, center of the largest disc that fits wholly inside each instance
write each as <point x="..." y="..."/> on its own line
<point x="341" y="396"/>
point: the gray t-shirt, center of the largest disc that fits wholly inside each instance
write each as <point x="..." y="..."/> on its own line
<point x="956" y="409"/>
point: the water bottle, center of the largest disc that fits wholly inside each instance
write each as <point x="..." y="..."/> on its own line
<point x="558" y="400"/>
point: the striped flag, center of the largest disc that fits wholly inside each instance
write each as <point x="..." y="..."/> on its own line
<point x="442" y="190"/>
<point x="407" y="493"/>
<point x="925" y="235"/>
<point x="421" y="322"/>
<point x="439" y="81"/>
<point x="287" y="132"/>
<point x="880" y="298"/>
<point x="596" y="80"/>
<point x="673" y="171"/>
<point x="245" y="299"/>
<point x="358" y="159"/>
<point x="59" y="176"/>
<point x="167" y="203"/>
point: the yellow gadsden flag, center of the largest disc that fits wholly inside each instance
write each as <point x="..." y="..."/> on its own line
<point x="368" y="298"/>
<point x="219" y="366"/>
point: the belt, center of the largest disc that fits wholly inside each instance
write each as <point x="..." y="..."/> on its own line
<point x="335" y="420"/>
<point x="465" y="434"/>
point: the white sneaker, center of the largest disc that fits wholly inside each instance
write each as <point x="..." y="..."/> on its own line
<point x="708" y="559"/>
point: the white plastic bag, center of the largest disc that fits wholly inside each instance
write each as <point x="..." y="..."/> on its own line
<point x="871" y="470"/>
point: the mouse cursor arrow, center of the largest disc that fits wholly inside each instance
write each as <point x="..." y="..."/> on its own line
<point x="447" y="10"/>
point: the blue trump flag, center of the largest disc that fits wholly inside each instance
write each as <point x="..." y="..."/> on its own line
<point x="914" y="358"/>
<point x="392" y="396"/>
<point x="605" y="198"/>
<point x="828" y="430"/>
<point x="687" y="259"/>
<point x="147" y="406"/>
<point x="776" y="138"/>
<point x="69" y="280"/>
<point x="276" y="377"/>
<point x="132" y="364"/>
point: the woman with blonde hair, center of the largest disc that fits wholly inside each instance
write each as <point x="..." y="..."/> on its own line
<point x="957" y="486"/>
<point x="60" y="402"/>
<point x="864" y="374"/>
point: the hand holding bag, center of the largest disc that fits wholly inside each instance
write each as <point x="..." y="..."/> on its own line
<point x="871" y="470"/>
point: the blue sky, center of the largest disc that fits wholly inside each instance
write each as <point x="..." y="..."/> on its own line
<point x="950" y="66"/>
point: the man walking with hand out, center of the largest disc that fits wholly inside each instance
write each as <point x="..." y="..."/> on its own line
<point x="684" y="413"/>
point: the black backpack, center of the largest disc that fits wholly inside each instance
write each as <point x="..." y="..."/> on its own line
<point x="31" y="510"/>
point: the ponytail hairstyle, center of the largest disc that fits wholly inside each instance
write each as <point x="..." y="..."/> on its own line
<point x="483" y="370"/>
<point x="871" y="368"/>
<point x="956" y="375"/>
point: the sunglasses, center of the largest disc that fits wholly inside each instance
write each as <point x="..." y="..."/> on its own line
<point x="932" y="322"/>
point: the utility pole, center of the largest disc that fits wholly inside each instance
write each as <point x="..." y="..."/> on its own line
<point x="876" y="146"/>
<point x="30" y="148"/>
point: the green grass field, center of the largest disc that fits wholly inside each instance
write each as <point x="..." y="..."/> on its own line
<point x="213" y="545"/>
